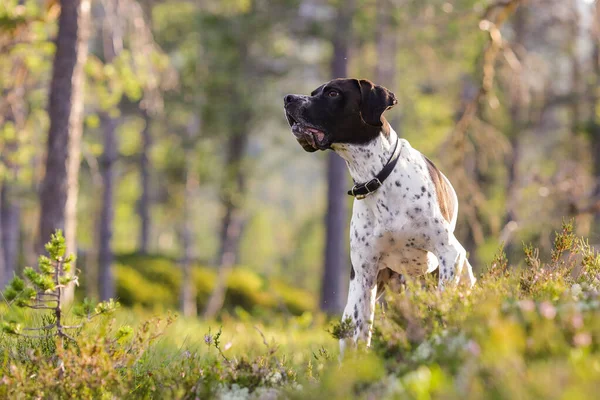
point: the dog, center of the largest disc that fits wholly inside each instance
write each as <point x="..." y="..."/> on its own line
<point x="405" y="209"/>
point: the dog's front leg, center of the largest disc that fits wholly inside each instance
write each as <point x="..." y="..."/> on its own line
<point x="452" y="258"/>
<point x="360" y="307"/>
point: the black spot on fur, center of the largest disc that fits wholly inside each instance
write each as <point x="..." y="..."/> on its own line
<point x="398" y="183"/>
<point x="423" y="189"/>
<point x="352" y="273"/>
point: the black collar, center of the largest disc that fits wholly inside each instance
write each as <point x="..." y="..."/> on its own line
<point x="362" y="190"/>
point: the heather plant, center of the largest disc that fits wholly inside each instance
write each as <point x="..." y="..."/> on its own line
<point x="528" y="329"/>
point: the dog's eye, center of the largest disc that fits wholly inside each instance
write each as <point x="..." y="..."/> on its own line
<point x="332" y="93"/>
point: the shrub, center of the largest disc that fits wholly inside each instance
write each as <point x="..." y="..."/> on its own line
<point x="155" y="268"/>
<point x="295" y="301"/>
<point x="134" y="289"/>
<point x="42" y="292"/>
<point x="246" y="289"/>
<point x="154" y="282"/>
<point x="205" y="279"/>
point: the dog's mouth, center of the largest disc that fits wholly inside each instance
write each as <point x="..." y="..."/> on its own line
<point x="310" y="138"/>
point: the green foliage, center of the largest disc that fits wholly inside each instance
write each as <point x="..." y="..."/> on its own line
<point x="154" y="282"/>
<point x="43" y="291"/>
<point x="133" y="289"/>
<point x="501" y="339"/>
<point x="51" y="276"/>
<point x="343" y="330"/>
<point x="100" y="366"/>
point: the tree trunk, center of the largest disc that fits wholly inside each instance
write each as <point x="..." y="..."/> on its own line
<point x="107" y="169"/>
<point x="4" y="273"/>
<point x="573" y="32"/>
<point x="336" y="257"/>
<point x="11" y="229"/>
<point x="188" y="289"/>
<point x="594" y="121"/>
<point x="231" y="227"/>
<point x="385" y="39"/>
<point x="144" y="201"/>
<point x="112" y="44"/>
<point x="58" y="194"/>
<point x="517" y="109"/>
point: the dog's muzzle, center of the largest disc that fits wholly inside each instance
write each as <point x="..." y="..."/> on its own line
<point x="310" y="138"/>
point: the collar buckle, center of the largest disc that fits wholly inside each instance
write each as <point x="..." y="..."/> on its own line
<point x="370" y="187"/>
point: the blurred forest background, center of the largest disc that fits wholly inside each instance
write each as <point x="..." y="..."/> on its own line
<point x="153" y="133"/>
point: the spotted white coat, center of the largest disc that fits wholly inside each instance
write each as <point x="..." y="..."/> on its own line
<point x="400" y="226"/>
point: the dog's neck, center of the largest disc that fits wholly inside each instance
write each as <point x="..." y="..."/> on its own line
<point x="367" y="160"/>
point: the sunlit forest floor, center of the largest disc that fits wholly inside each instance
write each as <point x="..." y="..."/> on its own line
<point x="527" y="330"/>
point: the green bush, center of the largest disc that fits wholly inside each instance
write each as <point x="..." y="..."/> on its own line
<point x="154" y="282"/>
<point x="205" y="279"/>
<point x="295" y="301"/>
<point x="248" y="290"/>
<point x="520" y="333"/>
<point x="134" y="289"/>
<point x="155" y="268"/>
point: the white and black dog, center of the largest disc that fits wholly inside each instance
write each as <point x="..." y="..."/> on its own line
<point x="405" y="209"/>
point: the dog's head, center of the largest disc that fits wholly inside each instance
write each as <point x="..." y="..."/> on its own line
<point x="340" y="111"/>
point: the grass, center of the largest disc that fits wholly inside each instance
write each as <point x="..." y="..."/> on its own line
<point x="530" y="331"/>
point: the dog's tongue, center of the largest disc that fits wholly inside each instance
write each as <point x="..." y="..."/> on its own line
<point x="318" y="134"/>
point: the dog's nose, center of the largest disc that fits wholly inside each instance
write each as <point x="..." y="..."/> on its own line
<point x="288" y="98"/>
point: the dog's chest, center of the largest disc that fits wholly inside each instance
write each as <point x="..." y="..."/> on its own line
<point x="393" y="225"/>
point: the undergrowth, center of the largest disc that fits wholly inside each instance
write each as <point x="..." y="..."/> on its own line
<point x="530" y="330"/>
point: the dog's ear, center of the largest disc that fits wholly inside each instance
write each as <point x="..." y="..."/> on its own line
<point x="374" y="101"/>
